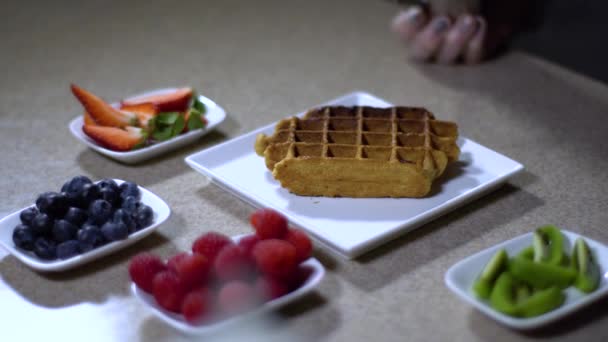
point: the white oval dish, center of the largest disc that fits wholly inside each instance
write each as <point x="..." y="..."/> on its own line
<point x="178" y="322"/>
<point x="8" y="223"/>
<point x="460" y="277"/>
<point x="214" y="115"/>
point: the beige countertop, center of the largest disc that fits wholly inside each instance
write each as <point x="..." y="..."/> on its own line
<point x="264" y="60"/>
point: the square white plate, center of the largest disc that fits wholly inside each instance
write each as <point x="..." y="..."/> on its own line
<point x="178" y="322"/>
<point x="351" y="226"/>
<point x="214" y="115"/>
<point x="7" y="224"/>
<point x="460" y="277"/>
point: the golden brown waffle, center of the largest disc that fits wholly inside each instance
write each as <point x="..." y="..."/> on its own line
<point x="360" y="151"/>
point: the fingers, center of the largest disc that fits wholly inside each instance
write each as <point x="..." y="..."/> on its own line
<point x="408" y="23"/>
<point x="426" y="43"/>
<point x="457" y="39"/>
<point x="474" y="52"/>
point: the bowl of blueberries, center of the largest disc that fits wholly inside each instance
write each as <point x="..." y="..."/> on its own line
<point x="83" y="221"/>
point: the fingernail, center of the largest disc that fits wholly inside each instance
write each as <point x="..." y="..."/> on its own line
<point x="467" y="24"/>
<point x="440" y="24"/>
<point x="410" y="17"/>
<point x="481" y="26"/>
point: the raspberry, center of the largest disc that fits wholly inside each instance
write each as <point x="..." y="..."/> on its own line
<point x="142" y="269"/>
<point x="301" y="242"/>
<point x="172" y="262"/>
<point x="269" y="224"/>
<point x="192" y="269"/>
<point x="210" y="244"/>
<point x="232" y="263"/>
<point x="275" y="257"/>
<point x="247" y="243"/>
<point x="168" y="291"/>
<point x="269" y="288"/>
<point x="196" y="305"/>
<point x="236" y="297"/>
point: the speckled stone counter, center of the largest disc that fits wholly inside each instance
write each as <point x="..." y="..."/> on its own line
<point x="263" y="60"/>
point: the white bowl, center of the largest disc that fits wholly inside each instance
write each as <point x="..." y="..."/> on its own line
<point x="178" y="322"/>
<point x="460" y="277"/>
<point x="214" y="115"/>
<point x="8" y="223"/>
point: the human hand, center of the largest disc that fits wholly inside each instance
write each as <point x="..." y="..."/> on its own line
<point x="441" y="38"/>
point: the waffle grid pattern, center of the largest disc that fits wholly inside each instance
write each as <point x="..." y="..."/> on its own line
<point x="394" y="134"/>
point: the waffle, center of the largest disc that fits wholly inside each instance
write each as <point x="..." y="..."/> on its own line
<point x="360" y="151"/>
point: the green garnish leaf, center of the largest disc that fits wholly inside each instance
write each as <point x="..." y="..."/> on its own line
<point x="195" y="121"/>
<point x="163" y="133"/>
<point x="167" y="118"/>
<point x="198" y="105"/>
<point x="178" y="126"/>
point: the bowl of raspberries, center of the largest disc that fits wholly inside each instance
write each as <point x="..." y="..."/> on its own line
<point x="82" y="221"/>
<point x="222" y="280"/>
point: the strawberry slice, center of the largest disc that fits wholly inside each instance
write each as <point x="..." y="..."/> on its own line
<point x="115" y="139"/>
<point x="144" y="111"/>
<point x="176" y="101"/>
<point x="144" y="107"/>
<point x="88" y="120"/>
<point x="101" y="112"/>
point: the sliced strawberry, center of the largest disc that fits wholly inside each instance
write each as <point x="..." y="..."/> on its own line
<point x="115" y="139"/>
<point x="145" y="107"/>
<point x="88" y="120"/>
<point x="101" y="112"/>
<point x="176" y="101"/>
<point x="144" y="111"/>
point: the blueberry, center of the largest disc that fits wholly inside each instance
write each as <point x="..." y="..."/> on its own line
<point x="76" y="184"/>
<point x="45" y="248"/>
<point x="90" y="192"/>
<point x="68" y="249"/>
<point x="110" y="195"/>
<point x="108" y="183"/>
<point x="75" y="216"/>
<point x="100" y="211"/>
<point x="129" y="189"/>
<point x="27" y="215"/>
<point x="64" y="231"/>
<point x="52" y="203"/>
<point x="130" y="205"/>
<point x="90" y="237"/>
<point x="114" y="231"/>
<point x="121" y="216"/>
<point x="143" y="216"/>
<point x="73" y="189"/>
<point x="24" y="237"/>
<point x="42" y="224"/>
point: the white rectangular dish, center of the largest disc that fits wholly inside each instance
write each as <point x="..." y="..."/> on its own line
<point x="351" y="226"/>
<point x="8" y="223"/>
<point x="214" y="115"/>
<point x="460" y="277"/>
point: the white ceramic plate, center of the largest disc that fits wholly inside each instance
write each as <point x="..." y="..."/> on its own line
<point x="178" y="322"/>
<point x="351" y="226"/>
<point x="460" y="277"/>
<point x="7" y="224"/>
<point x="214" y="115"/>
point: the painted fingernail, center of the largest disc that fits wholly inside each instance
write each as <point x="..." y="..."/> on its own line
<point x="440" y="24"/>
<point x="481" y="26"/>
<point x="410" y="17"/>
<point x="467" y="24"/>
